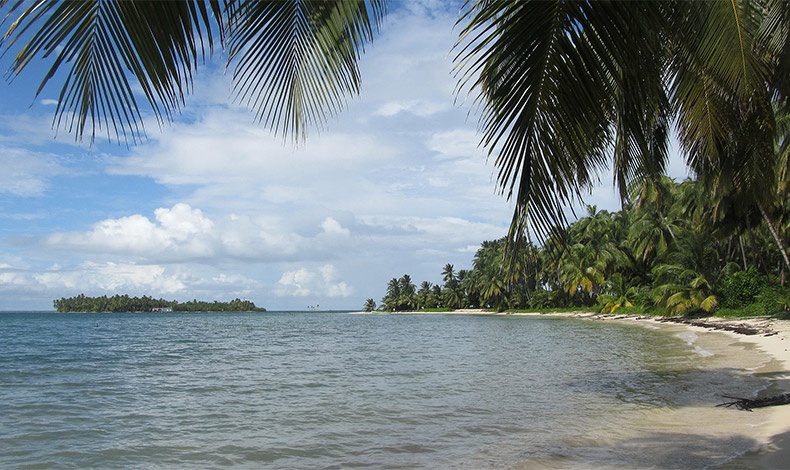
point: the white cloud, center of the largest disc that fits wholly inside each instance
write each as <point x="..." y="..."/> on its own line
<point x="113" y="277"/>
<point x="459" y="142"/>
<point x="395" y="184"/>
<point x="181" y="232"/>
<point x="182" y="222"/>
<point x="304" y="282"/>
<point x="296" y="283"/>
<point x="418" y="108"/>
<point x="26" y="173"/>
<point x="333" y="227"/>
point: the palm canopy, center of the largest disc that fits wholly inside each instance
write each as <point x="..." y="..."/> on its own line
<point x="294" y="62"/>
<point x="566" y="88"/>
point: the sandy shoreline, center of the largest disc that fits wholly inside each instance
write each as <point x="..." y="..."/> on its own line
<point x="771" y="336"/>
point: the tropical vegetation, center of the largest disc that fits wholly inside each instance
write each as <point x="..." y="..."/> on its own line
<point x="669" y="258"/>
<point x="124" y="303"/>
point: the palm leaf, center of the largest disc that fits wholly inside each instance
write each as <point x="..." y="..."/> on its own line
<point x="548" y="74"/>
<point x="297" y="60"/>
<point x="717" y="78"/>
<point x="99" y="45"/>
<point x="709" y="303"/>
<point x="773" y="40"/>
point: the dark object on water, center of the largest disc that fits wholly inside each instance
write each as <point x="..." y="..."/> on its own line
<point x="746" y="404"/>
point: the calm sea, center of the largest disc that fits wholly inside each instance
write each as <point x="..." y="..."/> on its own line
<point x="332" y="390"/>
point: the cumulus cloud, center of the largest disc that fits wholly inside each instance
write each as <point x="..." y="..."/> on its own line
<point x="321" y="282"/>
<point x="333" y="227"/>
<point x="113" y="277"/>
<point x="180" y="232"/>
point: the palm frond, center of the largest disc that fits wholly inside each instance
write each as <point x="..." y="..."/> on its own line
<point x="773" y="40"/>
<point x="716" y="75"/>
<point x="297" y="60"/>
<point x="548" y="74"/>
<point x="98" y="45"/>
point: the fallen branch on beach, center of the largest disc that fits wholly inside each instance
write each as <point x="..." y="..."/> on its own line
<point x="747" y="404"/>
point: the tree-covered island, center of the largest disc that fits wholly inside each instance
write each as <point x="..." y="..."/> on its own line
<point x="124" y="303"/>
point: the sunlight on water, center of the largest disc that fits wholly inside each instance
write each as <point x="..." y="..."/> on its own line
<point x="301" y="390"/>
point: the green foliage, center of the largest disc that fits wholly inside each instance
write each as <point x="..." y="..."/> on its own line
<point x="751" y="310"/>
<point x="675" y="261"/>
<point x="124" y="303"/>
<point x="634" y="310"/>
<point x="543" y="298"/>
<point x="740" y="288"/>
<point x="682" y="291"/>
<point x="774" y="300"/>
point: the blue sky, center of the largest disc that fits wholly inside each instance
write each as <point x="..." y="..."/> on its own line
<point x="214" y="207"/>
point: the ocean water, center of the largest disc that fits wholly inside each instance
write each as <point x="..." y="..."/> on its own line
<point x="313" y="390"/>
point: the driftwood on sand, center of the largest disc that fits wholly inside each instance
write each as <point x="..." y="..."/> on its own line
<point x="740" y="328"/>
<point x="747" y="404"/>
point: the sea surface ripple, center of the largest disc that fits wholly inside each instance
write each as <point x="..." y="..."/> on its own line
<point x="301" y="390"/>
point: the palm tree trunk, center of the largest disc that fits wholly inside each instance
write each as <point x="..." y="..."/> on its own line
<point x="775" y="234"/>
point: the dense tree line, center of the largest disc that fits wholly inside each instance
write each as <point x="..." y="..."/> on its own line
<point x="672" y="250"/>
<point x="124" y="303"/>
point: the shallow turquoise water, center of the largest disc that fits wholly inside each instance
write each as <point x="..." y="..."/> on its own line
<point x="332" y="390"/>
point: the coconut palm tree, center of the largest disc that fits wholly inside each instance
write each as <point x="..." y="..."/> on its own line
<point x="582" y="272"/>
<point x="408" y="293"/>
<point x="618" y="294"/>
<point x="448" y="273"/>
<point x="655" y="229"/>
<point x="392" y="298"/>
<point x="424" y="294"/>
<point x="679" y="289"/>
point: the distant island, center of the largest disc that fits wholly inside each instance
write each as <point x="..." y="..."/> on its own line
<point x="124" y="303"/>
